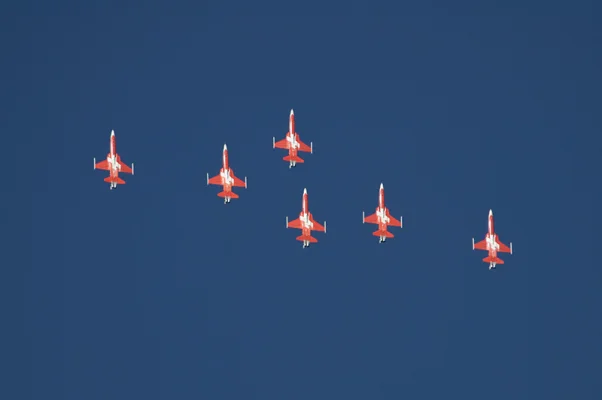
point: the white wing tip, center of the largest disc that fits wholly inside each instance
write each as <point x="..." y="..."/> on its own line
<point x="287" y="221"/>
<point x="273" y="142"/>
<point x="510" y="247"/>
<point x="311" y="147"/>
<point x="207" y="178"/>
<point x="324" y="226"/>
<point x="363" y="217"/>
<point x="473" y="243"/>
<point x="94" y="162"/>
<point x="132" y="168"/>
<point x="245" y="182"/>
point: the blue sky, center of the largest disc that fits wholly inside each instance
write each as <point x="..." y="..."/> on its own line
<point x="159" y="291"/>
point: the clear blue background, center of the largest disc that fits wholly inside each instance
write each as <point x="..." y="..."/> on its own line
<point x="159" y="291"/>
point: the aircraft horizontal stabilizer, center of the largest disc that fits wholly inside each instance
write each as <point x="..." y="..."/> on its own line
<point x="293" y="158"/>
<point x="309" y="239"/>
<point x="386" y="234"/>
<point x="231" y="195"/>
<point x="117" y="180"/>
<point x="495" y="260"/>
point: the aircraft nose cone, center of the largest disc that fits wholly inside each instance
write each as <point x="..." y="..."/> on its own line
<point x="490" y="213"/>
<point x="112" y="133"/>
<point x="292" y="112"/>
<point x="382" y="186"/>
<point x="225" y="147"/>
<point x="304" y="191"/>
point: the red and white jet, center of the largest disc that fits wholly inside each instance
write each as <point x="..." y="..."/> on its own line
<point x="226" y="179"/>
<point x="292" y="143"/>
<point x="114" y="165"/>
<point x="382" y="217"/>
<point x="306" y="223"/>
<point x="492" y="244"/>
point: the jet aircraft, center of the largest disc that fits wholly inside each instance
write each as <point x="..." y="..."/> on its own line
<point x="306" y="223"/>
<point x="492" y="244"/>
<point x="226" y="179"/>
<point x="382" y="217"/>
<point x="292" y="143"/>
<point x="114" y="165"/>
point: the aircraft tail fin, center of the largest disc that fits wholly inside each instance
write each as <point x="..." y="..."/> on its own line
<point x="232" y="195"/>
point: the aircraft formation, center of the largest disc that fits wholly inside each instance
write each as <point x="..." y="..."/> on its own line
<point x="305" y="222"/>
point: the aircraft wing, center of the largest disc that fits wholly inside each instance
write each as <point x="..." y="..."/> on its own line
<point x="503" y="248"/>
<point x="296" y="224"/>
<point x="304" y="147"/>
<point x="393" y="221"/>
<point x="125" y="168"/>
<point x="317" y="226"/>
<point x="238" y="182"/>
<point x="482" y="245"/>
<point x="104" y="164"/>
<point x="371" y="219"/>
<point x="281" y="144"/>
<point x="216" y="180"/>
